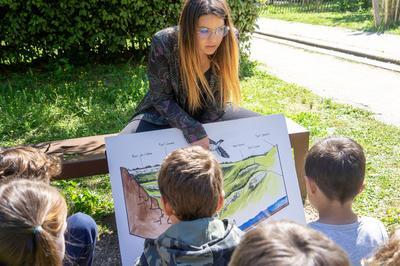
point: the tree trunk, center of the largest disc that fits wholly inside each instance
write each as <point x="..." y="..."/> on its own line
<point x="397" y="12"/>
<point x="392" y="11"/>
<point x="377" y="16"/>
<point x="386" y="12"/>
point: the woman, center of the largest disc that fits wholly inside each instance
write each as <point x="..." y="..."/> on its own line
<point x="193" y="74"/>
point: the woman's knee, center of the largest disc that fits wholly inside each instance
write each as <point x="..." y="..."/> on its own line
<point x="231" y="113"/>
<point x="81" y="226"/>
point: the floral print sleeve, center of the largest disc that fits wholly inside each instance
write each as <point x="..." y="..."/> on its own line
<point x="163" y="97"/>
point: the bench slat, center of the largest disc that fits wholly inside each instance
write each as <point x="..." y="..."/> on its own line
<point x="80" y="156"/>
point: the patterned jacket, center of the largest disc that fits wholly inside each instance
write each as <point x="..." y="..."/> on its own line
<point x="166" y="101"/>
<point x="206" y="241"/>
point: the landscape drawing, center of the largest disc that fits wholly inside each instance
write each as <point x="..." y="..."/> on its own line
<point x="247" y="182"/>
<point x="260" y="182"/>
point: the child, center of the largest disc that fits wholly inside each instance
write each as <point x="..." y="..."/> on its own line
<point x="335" y="169"/>
<point x="30" y="163"/>
<point x="191" y="186"/>
<point x="389" y="254"/>
<point x="285" y="244"/>
<point x="31" y="235"/>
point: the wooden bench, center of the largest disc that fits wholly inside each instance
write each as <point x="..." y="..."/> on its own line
<point x="86" y="156"/>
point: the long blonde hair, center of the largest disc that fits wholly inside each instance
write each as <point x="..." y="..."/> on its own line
<point x="225" y="60"/>
<point x="32" y="217"/>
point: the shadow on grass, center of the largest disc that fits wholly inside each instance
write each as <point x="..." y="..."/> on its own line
<point x="368" y="22"/>
<point x="395" y="27"/>
<point x="68" y="102"/>
<point x="353" y="18"/>
<point x="10" y="64"/>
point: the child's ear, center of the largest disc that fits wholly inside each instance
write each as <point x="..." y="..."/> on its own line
<point x="361" y="189"/>
<point x="221" y="201"/>
<point x="167" y="207"/>
<point x="310" y="185"/>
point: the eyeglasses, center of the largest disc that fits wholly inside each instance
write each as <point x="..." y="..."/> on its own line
<point x="220" y="32"/>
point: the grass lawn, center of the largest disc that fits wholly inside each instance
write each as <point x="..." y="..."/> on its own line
<point x="358" y="20"/>
<point x="71" y="102"/>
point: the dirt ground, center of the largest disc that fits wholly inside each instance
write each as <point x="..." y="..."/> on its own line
<point x="107" y="249"/>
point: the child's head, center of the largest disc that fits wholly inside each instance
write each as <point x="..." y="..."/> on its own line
<point x="191" y="184"/>
<point x="32" y="223"/>
<point x="389" y="254"/>
<point x="29" y="163"/>
<point x="337" y="166"/>
<point x="287" y="243"/>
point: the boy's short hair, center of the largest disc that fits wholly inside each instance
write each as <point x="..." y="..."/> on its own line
<point x="191" y="181"/>
<point x="29" y="163"/>
<point x="337" y="166"/>
<point x="286" y="243"/>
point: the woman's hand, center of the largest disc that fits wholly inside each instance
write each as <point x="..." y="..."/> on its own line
<point x="204" y="142"/>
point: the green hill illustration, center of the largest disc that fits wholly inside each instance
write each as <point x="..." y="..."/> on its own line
<point x="249" y="181"/>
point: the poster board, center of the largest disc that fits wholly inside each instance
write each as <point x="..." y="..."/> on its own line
<point x="260" y="180"/>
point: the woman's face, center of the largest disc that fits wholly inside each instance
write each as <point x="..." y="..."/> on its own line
<point x="209" y="33"/>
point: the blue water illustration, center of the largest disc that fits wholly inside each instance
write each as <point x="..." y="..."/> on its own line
<point x="262" y="215"/>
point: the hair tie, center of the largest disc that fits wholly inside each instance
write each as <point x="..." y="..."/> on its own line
<point x="37" y="229"/>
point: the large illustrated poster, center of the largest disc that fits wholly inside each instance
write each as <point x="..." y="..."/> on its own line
<point x="260" y="181"/>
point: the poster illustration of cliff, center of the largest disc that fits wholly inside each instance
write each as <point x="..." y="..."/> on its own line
<point x="260" y="183"/>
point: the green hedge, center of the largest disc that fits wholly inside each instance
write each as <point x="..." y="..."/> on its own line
<point x="32" y="29"/>
<point x="69" y="28"/>
<point x="245" y="14"/>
